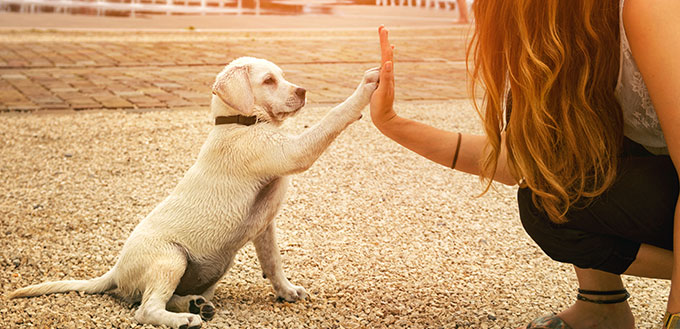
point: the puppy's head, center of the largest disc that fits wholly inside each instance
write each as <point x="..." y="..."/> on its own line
<point x="253" y="86"/>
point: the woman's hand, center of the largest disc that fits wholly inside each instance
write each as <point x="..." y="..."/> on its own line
<point x="382" y="100"/>
<point x="432" y="143"/>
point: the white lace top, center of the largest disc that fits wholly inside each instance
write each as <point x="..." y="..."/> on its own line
<point x="640" y="122"/>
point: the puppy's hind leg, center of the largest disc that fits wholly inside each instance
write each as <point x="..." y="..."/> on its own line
<point x="270" y="260"/>
<point x="161" y="280"/>
<point x="195" y="304"/>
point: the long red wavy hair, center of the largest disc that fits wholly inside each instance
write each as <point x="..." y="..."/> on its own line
<point x="559" y="59"/>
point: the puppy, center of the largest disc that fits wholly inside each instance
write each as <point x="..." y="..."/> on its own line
<point x="175" y="256"/>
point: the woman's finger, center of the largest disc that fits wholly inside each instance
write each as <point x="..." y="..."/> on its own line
<point x="387" y="78"/>
<point x="385" y="47"/>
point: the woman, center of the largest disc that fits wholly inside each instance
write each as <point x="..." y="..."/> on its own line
<point x="590" y="134"/>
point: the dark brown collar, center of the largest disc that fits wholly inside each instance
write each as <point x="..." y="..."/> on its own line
<point x="237" y="119"/>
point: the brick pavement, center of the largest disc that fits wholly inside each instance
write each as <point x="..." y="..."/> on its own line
<point x="80" y="70"/>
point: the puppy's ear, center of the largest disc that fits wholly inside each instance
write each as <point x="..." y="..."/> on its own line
<point x="233" y="88"/>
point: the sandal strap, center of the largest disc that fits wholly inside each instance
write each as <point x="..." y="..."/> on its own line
<point x="623" y="292"/>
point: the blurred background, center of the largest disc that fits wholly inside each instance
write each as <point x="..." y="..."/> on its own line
<point x="164" y="54"/>
<point x="219" y="14"/>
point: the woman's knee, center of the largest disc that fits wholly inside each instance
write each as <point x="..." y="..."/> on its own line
<point x="540" y="229"/>
<point x="574" y="246"/>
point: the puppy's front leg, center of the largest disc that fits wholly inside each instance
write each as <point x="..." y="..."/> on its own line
<point x="309" y="146"/>
<point x="297" y="154"/>
<point x="270" y="260"/>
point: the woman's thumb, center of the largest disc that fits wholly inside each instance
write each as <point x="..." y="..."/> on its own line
<point x="387" y="70"/>
<point x="388" y="66"/>
<point x="386" y="74"/>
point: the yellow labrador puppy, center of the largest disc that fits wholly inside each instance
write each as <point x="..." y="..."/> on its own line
<point x="175" y="256"/>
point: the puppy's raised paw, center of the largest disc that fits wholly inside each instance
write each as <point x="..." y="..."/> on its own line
<point x="367" y="86"/>
<point x="371" y="79"/>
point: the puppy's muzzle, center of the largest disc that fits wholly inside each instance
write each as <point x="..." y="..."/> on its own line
<point x="297" y="100"/>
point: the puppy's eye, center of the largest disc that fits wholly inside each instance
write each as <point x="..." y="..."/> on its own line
<point x="269" y="81"/>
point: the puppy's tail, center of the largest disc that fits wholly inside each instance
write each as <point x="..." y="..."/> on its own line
<point x="97" y="285"/>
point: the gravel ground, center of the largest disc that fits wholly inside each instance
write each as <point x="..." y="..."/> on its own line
<point x="378" y="236"/>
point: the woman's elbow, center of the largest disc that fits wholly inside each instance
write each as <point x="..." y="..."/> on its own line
<point x="506" y="180"/>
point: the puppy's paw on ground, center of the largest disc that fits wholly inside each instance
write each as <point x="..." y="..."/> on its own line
<point x="202" y="307"/>
<point x="292" y="294"/>
<point x="185" y="321"/>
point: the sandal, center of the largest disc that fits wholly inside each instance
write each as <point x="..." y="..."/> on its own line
<point x="548" y="322"/>
<point x="671" y="321"/>
<point x="555" y="322"/>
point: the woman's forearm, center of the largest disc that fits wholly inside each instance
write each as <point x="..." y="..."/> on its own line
<point x="440" y="146"/>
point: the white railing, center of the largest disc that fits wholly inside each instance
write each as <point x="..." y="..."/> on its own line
<point x="448" y="4"/>
<point x="201" y="7"/>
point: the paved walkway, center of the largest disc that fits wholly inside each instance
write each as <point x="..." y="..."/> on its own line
<point x="77" y="70"/>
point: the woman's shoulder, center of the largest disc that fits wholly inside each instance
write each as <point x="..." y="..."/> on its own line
<point x="650" y="23"/>
<point x="644" y="16"/>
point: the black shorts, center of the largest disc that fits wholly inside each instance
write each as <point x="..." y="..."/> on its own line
<point x="638" y="208"/>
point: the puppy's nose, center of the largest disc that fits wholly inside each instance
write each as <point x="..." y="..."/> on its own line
<point x="300" y="92"/>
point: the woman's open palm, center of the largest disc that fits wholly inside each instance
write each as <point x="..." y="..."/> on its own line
<point x="383" y="97"/>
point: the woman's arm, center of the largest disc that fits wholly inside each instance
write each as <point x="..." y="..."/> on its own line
<point x="653" y="30"/>
<point x="432" y="143"/>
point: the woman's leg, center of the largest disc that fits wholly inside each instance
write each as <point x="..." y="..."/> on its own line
<point x="650" y="262"/>
<point x="591" y="315"/>
<point x="626" y="230"/>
